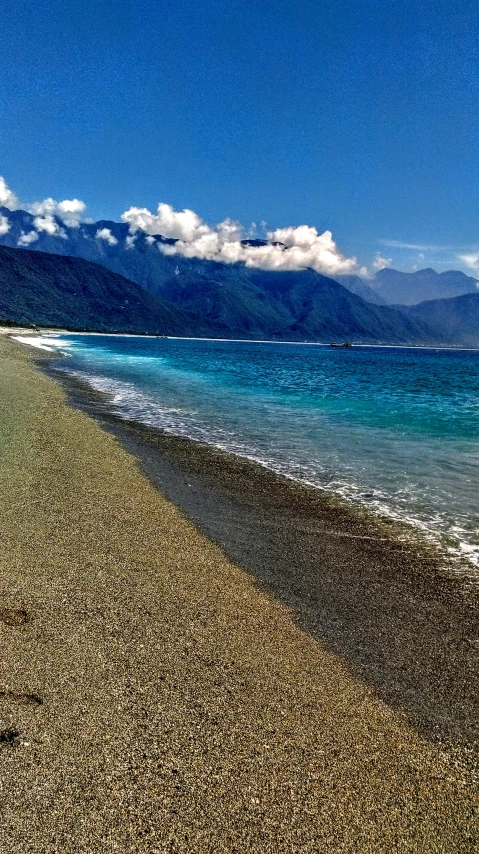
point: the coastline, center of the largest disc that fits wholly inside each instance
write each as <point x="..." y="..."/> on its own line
<point x="348" y="565"/>
<point x="254" y="672"/>
<point x="13" y="331"/>
<point x="428" y="496"/>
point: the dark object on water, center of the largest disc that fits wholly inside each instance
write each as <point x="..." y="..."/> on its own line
<point x="345" y="344"/>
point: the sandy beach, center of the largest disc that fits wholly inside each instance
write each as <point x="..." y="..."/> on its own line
<point x="198" y="656"/>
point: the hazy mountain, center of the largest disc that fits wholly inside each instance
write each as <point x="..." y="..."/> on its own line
<point x="457" y="318"/>
<point x="411" y="288"/>
<point x="44" y="289"/>
<point x="392" y="287"/>
<point x="358" y="286"/>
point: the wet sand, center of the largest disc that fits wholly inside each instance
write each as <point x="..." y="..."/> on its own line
<point x="257" y="671"/>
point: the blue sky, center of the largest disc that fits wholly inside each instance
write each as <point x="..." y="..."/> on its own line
<point x="356" y="116"/>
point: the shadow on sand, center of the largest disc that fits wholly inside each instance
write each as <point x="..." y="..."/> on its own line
<point x="388" y="610"/>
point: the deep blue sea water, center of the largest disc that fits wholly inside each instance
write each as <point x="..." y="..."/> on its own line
<point x="393" y="429"/>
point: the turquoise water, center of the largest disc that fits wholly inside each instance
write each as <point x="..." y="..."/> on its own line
<point x="392" y="429"/>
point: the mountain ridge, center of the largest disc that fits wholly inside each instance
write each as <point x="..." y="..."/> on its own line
<point x="136" y="257"/>
<point x="47" y="289"/>
<point x="226" y="300"/>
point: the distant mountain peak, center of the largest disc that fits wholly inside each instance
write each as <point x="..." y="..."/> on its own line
<point x="458" y="273"/>
<point x="398" y="288"/>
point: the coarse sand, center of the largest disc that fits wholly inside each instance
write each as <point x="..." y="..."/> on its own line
<point x="157" y="697"/>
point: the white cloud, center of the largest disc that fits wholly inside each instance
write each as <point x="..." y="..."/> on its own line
<point x="181" y="225"/>
<point x="422" y="247"/>
<point x="27" y="239"/>
<point x="69" y="210"/>
<point x="380" y="263"/>
<point x="4" y="225"/>
<point x="49" y="224"/>
<point x="471" y="260"/>
<point x="292" y="248"/>
<point x="8" y="199"/>
<point x="105" y="234"/>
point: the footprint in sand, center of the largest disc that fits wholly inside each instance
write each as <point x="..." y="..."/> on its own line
<point x="22" y="699"/>
<point x="14" y="616"/>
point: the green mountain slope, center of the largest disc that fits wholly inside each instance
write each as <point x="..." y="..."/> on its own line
<point x="52" y="290"/>
<point x="221" y="300"/>
<point x="290" y="306"/>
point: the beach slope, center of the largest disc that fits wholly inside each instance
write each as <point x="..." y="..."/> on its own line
<point x="153" y="698"/>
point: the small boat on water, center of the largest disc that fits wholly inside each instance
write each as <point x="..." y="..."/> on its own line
<point x="345" y="344"/>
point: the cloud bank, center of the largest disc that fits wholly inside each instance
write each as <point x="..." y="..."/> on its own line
<point x="471" y="260"/>
<point x="291" y="248"/>
<point x="46" y="215"/>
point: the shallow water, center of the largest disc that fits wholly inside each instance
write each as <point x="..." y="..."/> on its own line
<point x="392" y="429"/>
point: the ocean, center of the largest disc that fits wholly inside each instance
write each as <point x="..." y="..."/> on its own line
<point x="393" y="430"/>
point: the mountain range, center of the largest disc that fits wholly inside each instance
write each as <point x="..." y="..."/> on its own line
<point x="45" y="289"/>
<point x="293" y="306"/>
<point x="137" y="258"/>
<point x="148" y="290"/>
<point x="38" y="288"/>
<point x="393" y="287"/>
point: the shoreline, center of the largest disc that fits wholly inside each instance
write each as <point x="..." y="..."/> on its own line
<point x="460" y="555"/>
<point x="454" y="557"/>
<point x="236" y="502"/>
<point x="5" y="330"/>
<point x="178" y="685"/>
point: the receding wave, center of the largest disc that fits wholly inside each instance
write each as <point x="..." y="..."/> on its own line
<point x="51" y="343"/>
<point x="408" y="504"/>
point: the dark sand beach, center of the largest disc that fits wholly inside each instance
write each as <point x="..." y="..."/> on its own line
<point x="199" y="656"/>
